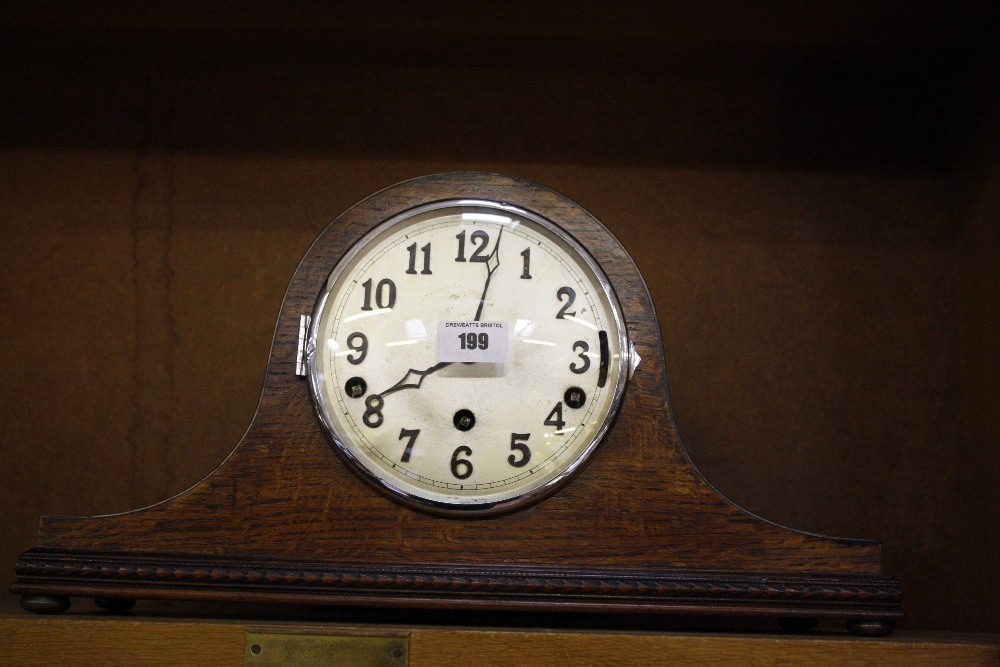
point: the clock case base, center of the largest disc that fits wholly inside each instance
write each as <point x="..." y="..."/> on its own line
<point x="110" y="576"/>
<point x="284" y="519"/>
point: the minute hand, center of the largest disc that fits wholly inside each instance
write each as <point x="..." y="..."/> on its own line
<point x="492" y="262"/>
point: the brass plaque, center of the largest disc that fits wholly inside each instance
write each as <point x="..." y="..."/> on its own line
<point x="315" y="647"/>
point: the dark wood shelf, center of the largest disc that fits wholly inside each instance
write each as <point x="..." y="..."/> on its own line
<point x="93" y="639"/>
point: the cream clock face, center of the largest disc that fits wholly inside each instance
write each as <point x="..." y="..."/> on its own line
<point x="467" y="356"/>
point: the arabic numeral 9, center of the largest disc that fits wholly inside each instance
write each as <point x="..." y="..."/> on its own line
<point x="360" y="347"/>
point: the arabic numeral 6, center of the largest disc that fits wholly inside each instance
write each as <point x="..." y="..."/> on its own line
<point x="461" y="468"/>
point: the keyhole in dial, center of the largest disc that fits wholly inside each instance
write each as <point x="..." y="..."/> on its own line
<point x="575" y="397"/>
<point x="356" y="387"/>
<point x="464" y="420"/>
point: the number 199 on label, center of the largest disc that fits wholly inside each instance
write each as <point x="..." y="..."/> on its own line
<point x="473" y="341"/>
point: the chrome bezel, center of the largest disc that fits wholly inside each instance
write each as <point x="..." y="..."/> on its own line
<point x="468" y="509"/>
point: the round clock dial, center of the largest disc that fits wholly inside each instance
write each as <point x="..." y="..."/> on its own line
<point x="467" y="356"/>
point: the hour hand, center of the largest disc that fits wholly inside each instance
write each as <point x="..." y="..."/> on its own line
<point x="414" y="378"/>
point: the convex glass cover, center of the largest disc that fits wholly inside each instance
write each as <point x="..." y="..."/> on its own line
<point x="467" y="356"/>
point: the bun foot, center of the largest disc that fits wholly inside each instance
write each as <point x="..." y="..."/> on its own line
<point x="116" y="605"/>
<point x="866" y="627"/>
<point x="45" y="604"/>
<point x="798" y="624"/>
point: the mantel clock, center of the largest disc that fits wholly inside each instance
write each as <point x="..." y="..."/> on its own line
<point x="465" y="407"/>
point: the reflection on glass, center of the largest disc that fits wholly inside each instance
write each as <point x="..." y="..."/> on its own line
<point x="334" y="346"/>
<point x="415" y="329"/>
<point x="369" y="313"/>
<point x="486" y="217"/>
<point x="579" y="321"/>
<point x="523" y="328"/>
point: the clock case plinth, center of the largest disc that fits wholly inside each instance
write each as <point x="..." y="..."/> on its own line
<point x="284" y="519"/>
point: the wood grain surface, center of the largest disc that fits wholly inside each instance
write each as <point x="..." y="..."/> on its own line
<point x="137" y="642"/>
<point x="502" y="648"/>
<point x="284" y="498"/>
<point x="125" y="643"/>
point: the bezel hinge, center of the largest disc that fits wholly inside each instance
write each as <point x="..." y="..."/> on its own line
<point x="301" y="368"/>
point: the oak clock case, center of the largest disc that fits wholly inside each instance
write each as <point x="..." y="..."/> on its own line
<point x="316" y="506"/>
<point x="463" y="426"/>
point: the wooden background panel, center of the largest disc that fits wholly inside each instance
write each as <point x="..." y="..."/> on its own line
<point x="823" y="268"/>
